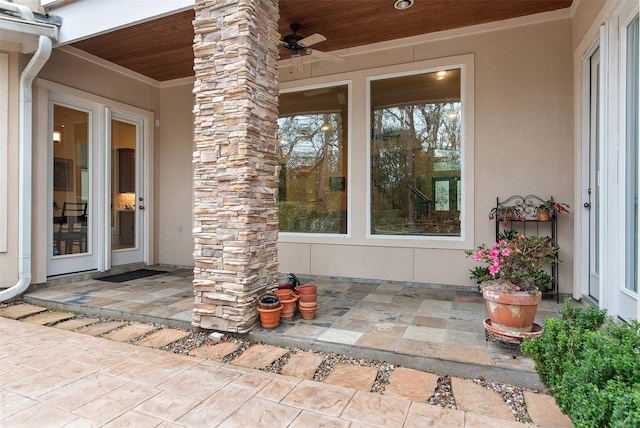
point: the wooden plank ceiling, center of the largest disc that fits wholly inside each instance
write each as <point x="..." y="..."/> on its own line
<point x="162" y="49"/>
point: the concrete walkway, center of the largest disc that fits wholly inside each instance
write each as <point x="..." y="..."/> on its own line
<point x="52" y="377"/>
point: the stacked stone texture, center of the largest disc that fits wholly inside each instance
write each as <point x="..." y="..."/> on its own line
<point x="235" y="163"/>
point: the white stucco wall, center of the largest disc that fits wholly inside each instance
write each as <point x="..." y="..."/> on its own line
<point x="523" y="145"/>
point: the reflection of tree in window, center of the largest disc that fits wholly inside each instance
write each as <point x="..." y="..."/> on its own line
<point x="415" y="141"/>
<point x="311" y="151"/>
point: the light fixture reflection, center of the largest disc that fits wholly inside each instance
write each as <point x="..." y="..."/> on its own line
<point x="57" y="137"/>
<point x="403" y="4"/>
<point x="441" y="74"/>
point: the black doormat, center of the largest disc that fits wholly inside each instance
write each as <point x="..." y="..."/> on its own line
<point x="128" y="276"/>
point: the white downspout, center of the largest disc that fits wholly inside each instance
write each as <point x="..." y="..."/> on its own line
<point x="25" y="191"/>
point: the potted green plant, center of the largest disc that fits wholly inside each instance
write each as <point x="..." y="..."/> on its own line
<point x="505" y="213"/>
<point x="550" y="208"/>
<point x="515" y="266"/>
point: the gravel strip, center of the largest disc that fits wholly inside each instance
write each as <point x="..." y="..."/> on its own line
<point x="442" y="395"/>
<point x="513" y="397"/>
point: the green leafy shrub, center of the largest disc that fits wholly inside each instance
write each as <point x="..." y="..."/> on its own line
<point x="591" y="366"/>
<point x="480" y="274"/>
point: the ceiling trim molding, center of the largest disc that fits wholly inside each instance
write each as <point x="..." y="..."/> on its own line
<point x="177" y="82"/>
<point x="108" y="64"/>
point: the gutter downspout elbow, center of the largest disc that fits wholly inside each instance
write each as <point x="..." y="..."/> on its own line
<point x="25" y="165"/>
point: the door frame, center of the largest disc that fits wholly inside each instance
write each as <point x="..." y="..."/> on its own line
<point x="606" y="30"/>
<point x="583" y="223"/>
<point x="42" y="159"/>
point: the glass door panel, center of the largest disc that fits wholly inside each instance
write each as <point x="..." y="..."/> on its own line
<point x="123" y="185"/>
<point x="628" y="294"/>
<point x="70" y="181"/>
<point x="594" y="178"/>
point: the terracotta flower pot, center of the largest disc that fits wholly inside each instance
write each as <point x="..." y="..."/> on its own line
<point x="544" y="214"/>
<point x="268" y="301"/>
<point x="307" y="305"/>
<point x="284" y="294"/>
<point x="288" y="308"/>
<point x="308" y="298"/>
<point x="514" y="312"/>
<point x="307" y="289"/>
<point x="270" y="318"/>
<point x="307" y="313"/>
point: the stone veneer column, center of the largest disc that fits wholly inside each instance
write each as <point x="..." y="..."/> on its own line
<point x="235" y="176"/>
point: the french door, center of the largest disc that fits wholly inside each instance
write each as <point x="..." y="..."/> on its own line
<point x="593" y="191"/>
<point x="96" y="186"/>
<point x="127" y="203"/>
<point x="74" y="211"/>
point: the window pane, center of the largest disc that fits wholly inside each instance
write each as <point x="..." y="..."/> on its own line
<point x="631" y="131"/>
<point x="415" y="155"/>
<point x="312" y="153"/>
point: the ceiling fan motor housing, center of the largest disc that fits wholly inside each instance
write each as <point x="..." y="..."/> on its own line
<point x="292" y="39"/>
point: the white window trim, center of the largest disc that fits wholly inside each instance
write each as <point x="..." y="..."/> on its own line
<point x="284" y="236"/>
<point x="465" y="240"/>
<point x="623" y="20"/>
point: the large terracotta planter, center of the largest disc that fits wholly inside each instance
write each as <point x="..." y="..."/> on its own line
<point x="270" y="318"/>
<point x="514" y="312"/>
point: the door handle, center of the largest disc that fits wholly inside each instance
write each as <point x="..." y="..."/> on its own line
<point x="141" y="207"/>
<point x="587" y="205"/>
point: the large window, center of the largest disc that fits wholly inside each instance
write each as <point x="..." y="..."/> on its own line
<point x="312" y="154"/>
<point x="416" y="146"/>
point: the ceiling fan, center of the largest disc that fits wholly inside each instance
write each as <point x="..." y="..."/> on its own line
<point x="297" y="45"/>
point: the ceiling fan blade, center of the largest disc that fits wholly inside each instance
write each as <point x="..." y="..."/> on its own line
<point x="327" y="56"/>
<point x="312" y="39"/>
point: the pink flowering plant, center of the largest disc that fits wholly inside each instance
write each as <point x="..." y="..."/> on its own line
<point x="551" y="205"/>
<point x="518" y="262"/>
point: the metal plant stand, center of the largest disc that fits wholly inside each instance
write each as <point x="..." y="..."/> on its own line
<point x="508" y="338"/>
<point x="520" y="213"/>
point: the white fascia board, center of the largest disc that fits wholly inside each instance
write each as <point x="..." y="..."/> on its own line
<point x="83" y="19"/>
<point x="16" y="34"/>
